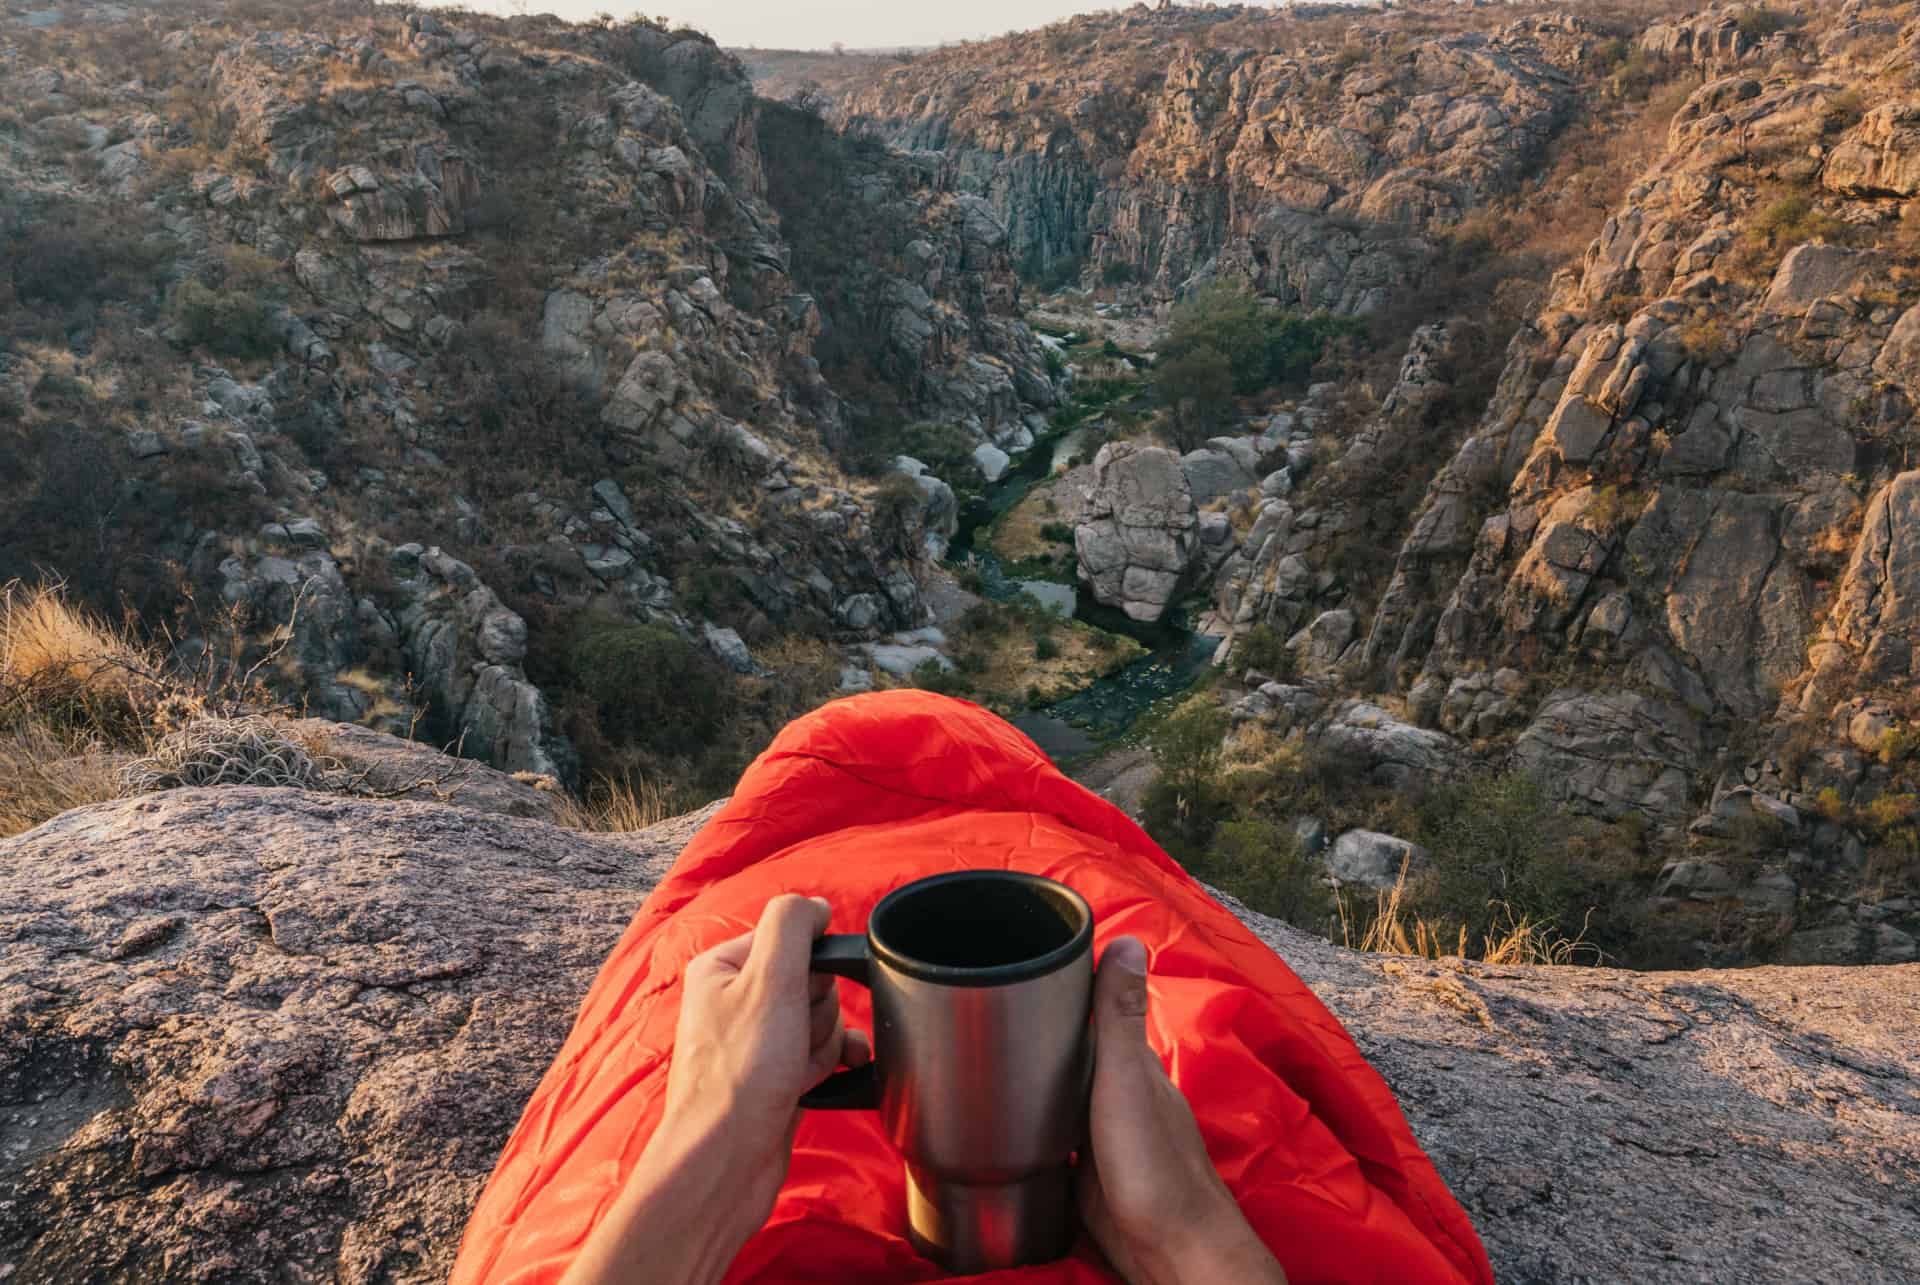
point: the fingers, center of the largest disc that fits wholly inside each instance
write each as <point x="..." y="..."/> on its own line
<point x="724" y="959"/>
<point x="856" y="1049"/>
<point x="783" y="941"/>
<point x="823" y="1020"/>
<point x="1120" y="995"/>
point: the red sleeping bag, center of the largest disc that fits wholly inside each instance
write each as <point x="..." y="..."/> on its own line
<point x="873" y="792"/>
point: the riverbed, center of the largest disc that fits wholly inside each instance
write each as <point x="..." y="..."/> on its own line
<point x="1097" y="718"/>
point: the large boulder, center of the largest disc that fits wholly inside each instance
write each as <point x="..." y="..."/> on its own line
<point x="273" y="1035"/>
<point x="1612" y="754"/>
<point x="1899" y="360"/>
<point x="1389" y="752"/>
<point x="1213" y="473"/>
<point x="1810" y="273"/>
<point x="1140" y="530"/>
<point x="1879" y="600"/>
<point x="1373" y="860"/>
<point x="268" y="1035"/>
<point x="1881" y="156"/>
<point x="466" y="650"/>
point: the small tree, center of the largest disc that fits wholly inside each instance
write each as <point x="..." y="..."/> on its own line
<point x="650" y="686"/>
<point x="1183" y="805"/>
<point x="1196" y="386"/>
<point x="1261" y="863"/>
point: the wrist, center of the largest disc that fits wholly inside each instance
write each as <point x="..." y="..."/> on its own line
<point x="1225" y="1248"/>
<point x="1217" y="1245"/>
<point x="702" y="1193"/>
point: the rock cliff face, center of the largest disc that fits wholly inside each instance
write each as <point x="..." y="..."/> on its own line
<point x="263" y="1033"/>
<point x="1688" y="486"/>
<point x="514" y="324"/>
<point x="1305" y="153"/>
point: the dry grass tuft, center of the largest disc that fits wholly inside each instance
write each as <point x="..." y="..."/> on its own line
<point x="1393" y="929"/>
<point x="66" y="703"/>
<point x="88" y="713"/>
<point x="50" y="648"/>
<point x="619" y="806"/>
<point x="44" y="773"/>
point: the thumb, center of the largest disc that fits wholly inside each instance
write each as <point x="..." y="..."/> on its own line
<point x="1120" y="994"/>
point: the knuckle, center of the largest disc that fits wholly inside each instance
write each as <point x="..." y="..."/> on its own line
<point x="785" y="908"/>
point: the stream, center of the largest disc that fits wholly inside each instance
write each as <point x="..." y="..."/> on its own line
<point x="1090" y="720"/>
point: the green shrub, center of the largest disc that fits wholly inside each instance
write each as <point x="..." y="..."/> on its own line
<point x="1056" y="364"/>
<point x="1261" y="864"/>
<point x="1759" y="22"/>
<point x="68" y="254"/>
<point x="1117" y="273"/>
<point x="1842" y="111"/>
<point x="1263" y="346"/>
<point x="932" y="676"/>
<point x="1058" y="532"/>
<point x="1502" y="854"/>
<point x="1197" y="387"/>
<point x="1265" y="649"/>
<point x="1045" y="648"/>
<point x="228" y="323"/>
<point x="946" y="449"/>
<point x="899" y="510"/>
<point x="649" y="686"/>
<point x="1222" y="342"/>
<point x="1897" y="745"/>
<point x="1185" y="802"/>
<point x="1795" y="218"/>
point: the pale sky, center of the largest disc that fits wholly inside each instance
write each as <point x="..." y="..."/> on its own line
<point x="816" y="24"/>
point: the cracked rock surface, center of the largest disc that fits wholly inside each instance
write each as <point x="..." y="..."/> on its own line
<point x="264" y="1034"/>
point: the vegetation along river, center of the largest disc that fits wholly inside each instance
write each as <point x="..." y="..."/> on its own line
<point x="1100" y="715"/>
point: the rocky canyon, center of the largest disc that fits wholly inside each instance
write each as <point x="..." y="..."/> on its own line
<point x="1445" y="468"/>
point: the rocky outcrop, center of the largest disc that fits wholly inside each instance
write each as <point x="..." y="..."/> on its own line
<point x="1376" y="746"/>
<point x="538" y="304"/>
<point x="1138" y="532"/>
<point x="1144" y="147"/>
<point x="465" y="649"/>
<point x="923" y="314"/>
<point x="1880" y="156"/>
<point x="251" y="1033"/>
<point x="1614" y="753"/>
<point x="1718" y="38"/>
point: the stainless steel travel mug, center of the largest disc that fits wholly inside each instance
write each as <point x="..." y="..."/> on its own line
<point x="982" y="986"/>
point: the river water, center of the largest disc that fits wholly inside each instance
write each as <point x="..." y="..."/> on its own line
<point x="1092" y="719"/>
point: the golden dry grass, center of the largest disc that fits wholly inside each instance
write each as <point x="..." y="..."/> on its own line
<point x="45" y="640"/>
<point x="66" y="697"/>
<point x="1012" y="667"/>
<point x="618" y="806"/>
<point x="1016" y="536"/>
<point x="1390" y="927"/>
<point x="43" y="773"/>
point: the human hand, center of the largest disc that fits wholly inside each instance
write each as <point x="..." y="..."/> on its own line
<point x="757" y="1029"/>
<point x="1150" y="1196"/>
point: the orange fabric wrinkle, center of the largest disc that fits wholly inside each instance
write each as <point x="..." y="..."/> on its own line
<point x="870" y="793"/>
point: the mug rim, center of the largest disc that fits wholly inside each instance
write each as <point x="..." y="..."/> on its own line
<point x="1080" y="943"/>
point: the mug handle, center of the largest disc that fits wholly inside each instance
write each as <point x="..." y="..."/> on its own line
<point x="844" y="955"/>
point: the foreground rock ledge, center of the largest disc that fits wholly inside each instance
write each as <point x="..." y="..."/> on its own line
<point x="270" y="1035"/>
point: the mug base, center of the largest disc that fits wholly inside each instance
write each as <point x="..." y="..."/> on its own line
<point x="969" y="1229"/>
